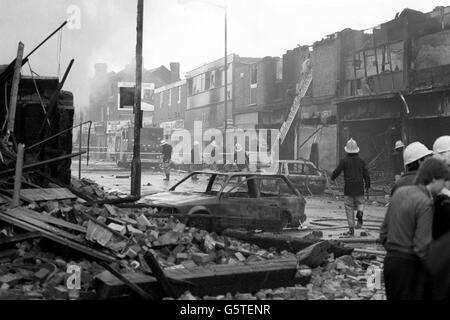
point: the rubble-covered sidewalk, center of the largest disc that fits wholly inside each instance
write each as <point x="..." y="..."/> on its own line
<point x="126" y="252"/>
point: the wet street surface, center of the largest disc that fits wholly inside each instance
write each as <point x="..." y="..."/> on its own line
<point x="324" y="213"/>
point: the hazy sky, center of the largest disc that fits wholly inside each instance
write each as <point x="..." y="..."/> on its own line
<point x="191" y="33"/>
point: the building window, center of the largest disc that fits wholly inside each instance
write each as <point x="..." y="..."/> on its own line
<point x="230" y="74"/>
<point x="384" y="59"/>
<point x="190" y="84"/>
<point x="212" y="79"/>
<point x="371" y="65"/>
<point x="170" y="98"/>
<point x="161" y="99"/>
<point x="279" y="73"/>
<point x="179" y="95"/>
<point x="254" y="74"/>
<point x="396" y="50"/>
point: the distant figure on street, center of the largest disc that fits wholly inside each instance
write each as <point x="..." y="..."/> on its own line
<point x="406" y="233"/>
<point x="211" y="157"/>
<point x="241" y="155"/>
<point x="356" y="176"/>
<point x="414" y="155"/>
<point x="195" y="156"/>
<point x="167" y="158"/>
<point x="398" y="164"/>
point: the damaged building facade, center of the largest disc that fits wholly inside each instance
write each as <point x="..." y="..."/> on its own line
<point x="396" y="86"/>
<point x="38" y="96"/>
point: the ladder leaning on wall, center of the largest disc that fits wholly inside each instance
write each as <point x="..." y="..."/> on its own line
<point x="304" y="86"/>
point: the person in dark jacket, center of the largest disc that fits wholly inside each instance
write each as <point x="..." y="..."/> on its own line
<point x="414" y="155"/>
<point x="439" y="256"/>
<point x="356" y="176"/>
<point x="167" y="158"/>
<point x="406" y="233"/>
<point x="195" y="159"/>
<point x="441" y="220"/>
<point x="398" y="163"/>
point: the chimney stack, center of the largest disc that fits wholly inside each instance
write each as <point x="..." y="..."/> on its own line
<point x="174" y="72"/>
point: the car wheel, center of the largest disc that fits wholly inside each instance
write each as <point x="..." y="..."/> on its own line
<point x="202" y="223"/>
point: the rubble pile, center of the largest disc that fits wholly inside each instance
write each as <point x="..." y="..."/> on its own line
<point x="28" y="273"/>
<point x="344" y="278"/>
<point x="123" y="238"/>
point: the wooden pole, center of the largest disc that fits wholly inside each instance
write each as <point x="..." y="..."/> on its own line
<point x="79" y="141"/>
<point x="18" y="178"/>
<point x="15" y="89"/>
<point x="136" y="169"/>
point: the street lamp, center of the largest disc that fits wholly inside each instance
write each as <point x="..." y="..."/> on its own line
<point x="225" y="8"/>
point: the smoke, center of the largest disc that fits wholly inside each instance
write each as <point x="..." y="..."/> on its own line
<point x="106" y="34"/>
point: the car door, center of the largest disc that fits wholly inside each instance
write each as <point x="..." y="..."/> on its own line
<point x="247" y="209"/>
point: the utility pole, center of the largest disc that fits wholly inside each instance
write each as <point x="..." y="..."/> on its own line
<point x="226" y="84"/>
<point x="136" y="169"/>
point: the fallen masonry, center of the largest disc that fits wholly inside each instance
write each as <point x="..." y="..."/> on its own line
<point x="126" y="253"/>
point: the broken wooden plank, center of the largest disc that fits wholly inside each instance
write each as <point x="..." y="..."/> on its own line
<point x="367" y="251"/>
<point x="20" y="213"/>
<point x="61" y="184"/>
<point x="135" y="288"/>
<point x="56" y="238"/>
<point x="49" y="194"/>
<point x="54" y="221"/>
<point x="158" y="272"/>
<point x="213" y="280"/>
<point x="107" y="286"/>
<point x="20" y="238"/>
<point x="18" y="176"/>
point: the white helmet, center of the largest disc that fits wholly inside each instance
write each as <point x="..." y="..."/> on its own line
<point x="442" y="144"/>
<point x="399" y="144"/>
<point x="351" y="147"/>
<point x="415" y="151"/>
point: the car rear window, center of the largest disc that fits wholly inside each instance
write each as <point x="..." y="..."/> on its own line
<point x="274" y="187"/>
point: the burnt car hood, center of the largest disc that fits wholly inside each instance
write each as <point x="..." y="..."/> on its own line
<point x="176" y="198"/>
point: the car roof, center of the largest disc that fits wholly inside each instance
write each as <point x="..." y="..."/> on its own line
<point x="231" y="174"/>
<point x="301" y="160"/>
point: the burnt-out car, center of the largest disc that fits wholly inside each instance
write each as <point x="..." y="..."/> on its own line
<point x="304" y="175"/>
<point x="215" y="201"/>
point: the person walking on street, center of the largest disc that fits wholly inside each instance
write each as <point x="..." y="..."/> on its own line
<point x="414" y="155"/>
<point x="195" y="159"/>
<point x="241" y="155"/>
<point x="356" y="177"/>
<point x="406" y="233"/>
<point x="167" y="158"/>
<point x="398" y="163"/>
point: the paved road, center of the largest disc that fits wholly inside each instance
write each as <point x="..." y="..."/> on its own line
<point x="328" y="209"/>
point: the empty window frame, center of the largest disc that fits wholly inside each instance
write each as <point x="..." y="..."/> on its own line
<point x="396" y="51"/>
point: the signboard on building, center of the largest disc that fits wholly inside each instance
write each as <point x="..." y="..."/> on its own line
<point x="171" y="126"/>
<point x="126" y="96"/>
<point x="114" y="126"/>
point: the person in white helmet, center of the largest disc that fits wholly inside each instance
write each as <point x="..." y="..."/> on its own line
<point x="441" y="149"/>
<point x="406" y="233"/>
<point x="356" y="176"/>
<point x="414" y="155"/>
<point x="398" y="164"/>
